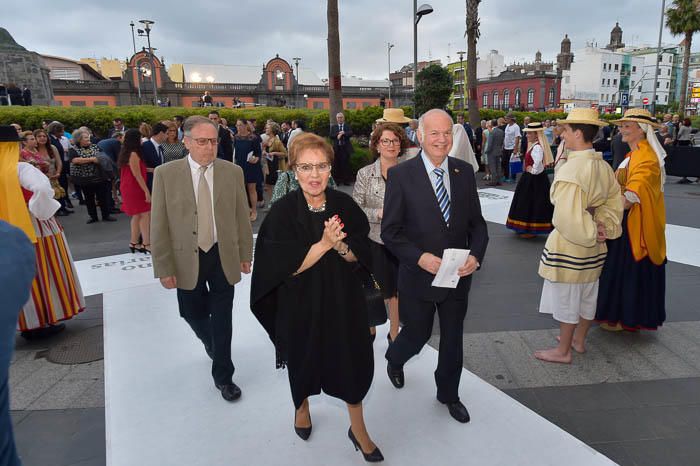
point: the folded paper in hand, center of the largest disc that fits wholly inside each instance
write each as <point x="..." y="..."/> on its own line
<point x="250" y="157"/>
<point x="452" y="260"/>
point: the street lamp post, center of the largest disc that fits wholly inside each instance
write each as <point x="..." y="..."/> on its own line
<point x="138" y="76"/>
<point x="389" y="46"/>
<point x="296" y="87"/>
<point x="147" y="27"/>
<point x="464" y="77"/>
<point x="658" y="58"/>
<point x="418" y="13"/>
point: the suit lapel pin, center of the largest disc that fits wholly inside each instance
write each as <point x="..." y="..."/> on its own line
<point x="456" y="170"/>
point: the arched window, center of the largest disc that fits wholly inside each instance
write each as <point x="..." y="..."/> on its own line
<point x="552" y="94"/>
<point x="530" y="96"/>
<point x="495" y="99"/>
<point x="506" y="99"/>
<point x="485" y="100"/>
<point x="518" y="99"/>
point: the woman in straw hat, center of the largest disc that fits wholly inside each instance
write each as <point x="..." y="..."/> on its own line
<point x="633" y="282"/>
<point x="587" y="211"/>
<point x="27" y="201"/>
<point x="531" y="211"/>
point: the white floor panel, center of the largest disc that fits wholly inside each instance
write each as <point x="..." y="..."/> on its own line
<point x="162" y="407"/>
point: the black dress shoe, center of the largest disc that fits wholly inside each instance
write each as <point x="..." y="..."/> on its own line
<point x="109" y="219"/>
<point x="458" y="411"/>
<point x="303" y="432"/>
<point x="92" y="220"/>
<point x="229" y="392"/>
<point x="395" y="375"/>
<point x="374" y="457"/>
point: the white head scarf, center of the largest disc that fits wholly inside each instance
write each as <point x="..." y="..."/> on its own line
<point x="657" y="148"/>
<point x="461" y="147"/>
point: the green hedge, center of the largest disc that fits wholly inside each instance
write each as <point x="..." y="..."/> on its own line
<point x="99" y="119"/>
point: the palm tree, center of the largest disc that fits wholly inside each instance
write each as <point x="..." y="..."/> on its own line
<point x="683" y="18"/>
<point x="335" y="92"/>
<point x="472" y="34"/>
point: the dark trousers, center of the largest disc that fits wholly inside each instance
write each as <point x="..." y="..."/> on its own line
<point x="63" y="181"/>
<point x="417" y="316"/>
<point x="208" y="309"/>
<point x="341" y="165"/>
<point x="505" y="162"/>
<point x="101" y="192"/>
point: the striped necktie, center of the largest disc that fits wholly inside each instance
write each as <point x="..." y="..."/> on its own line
<point x="442" y="196"/>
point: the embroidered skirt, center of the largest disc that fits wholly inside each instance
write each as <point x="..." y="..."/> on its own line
<point x="531" y="211"/>
<point x="56" y="294"/>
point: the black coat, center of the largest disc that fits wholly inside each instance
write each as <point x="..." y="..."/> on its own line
<point x="413" y="224"/>
<point x="346" y="145"/>
<point x="225" y="149"/>
<point x="317" y="319"/>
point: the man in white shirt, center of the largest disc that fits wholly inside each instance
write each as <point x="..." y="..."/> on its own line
<point x="511" y="145"/>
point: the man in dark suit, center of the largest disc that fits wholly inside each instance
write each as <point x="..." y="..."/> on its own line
<point x="225" y="150"/>
<point x="286" y="131"/>
<point x="153" y="151"/>
<point x="430" y="205"/>
<point x="27" y="95"/>
<point x="117" y="126"/>
<point x="342" y="148"/>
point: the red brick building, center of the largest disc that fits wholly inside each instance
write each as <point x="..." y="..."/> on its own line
<point x="512" y="90"/>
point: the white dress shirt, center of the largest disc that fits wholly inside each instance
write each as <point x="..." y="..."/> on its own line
<point x="157" y="146"/>
<point x="429" y="167"/>
<point x="209" y="175"/>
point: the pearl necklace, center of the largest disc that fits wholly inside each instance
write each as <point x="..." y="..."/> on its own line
<point x="317" y="209"/>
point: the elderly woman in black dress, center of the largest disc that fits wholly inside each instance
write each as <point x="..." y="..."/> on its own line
<point x="306" y="295"/>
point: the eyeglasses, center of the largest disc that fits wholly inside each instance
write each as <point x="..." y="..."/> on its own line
<point x="307" y="168"/>
<point x="388" y="142"/>
<point x="204" y="141"/>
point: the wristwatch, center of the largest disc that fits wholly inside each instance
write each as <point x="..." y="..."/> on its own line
<point x="347" y="250"/>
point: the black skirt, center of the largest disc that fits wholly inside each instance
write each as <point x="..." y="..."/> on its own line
<point x="385" y="268"/>
<point x="531" y="211"/>
<point x="631" y="293"/>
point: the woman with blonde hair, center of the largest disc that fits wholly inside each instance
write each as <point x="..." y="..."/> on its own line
<point x="173" y="148"/>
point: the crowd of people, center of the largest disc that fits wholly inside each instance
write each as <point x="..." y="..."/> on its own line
<point x="328" y="263"/>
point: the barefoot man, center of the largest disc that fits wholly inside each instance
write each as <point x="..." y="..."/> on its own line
<point x="587" y="211"/>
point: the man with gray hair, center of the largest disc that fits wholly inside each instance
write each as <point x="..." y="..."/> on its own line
<point x="342" y="149"/>
<point x="494" y="153"/>
<point x="202" y="241"/>
<point x="431" y="204"/>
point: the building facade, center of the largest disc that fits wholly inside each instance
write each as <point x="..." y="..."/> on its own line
<point x="532" y="91"/>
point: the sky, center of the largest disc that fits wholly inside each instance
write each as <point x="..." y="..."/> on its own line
<point x="250" y="32"/>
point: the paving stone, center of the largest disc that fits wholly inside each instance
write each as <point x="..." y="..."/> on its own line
<point x="36" y="384"/>
<point x="670" y="392"/>
<point x="616" y="451"/>
<point x="63" y="395"/>
<point x="584" y="398"/>
<point x="611" y="425"/>
<point x="62" y="437"/>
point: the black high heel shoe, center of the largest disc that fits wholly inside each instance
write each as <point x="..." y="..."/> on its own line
<point x="134" y="247"/>
<point x="373" y="457"/>
<point x="303" y="432"/>
<point x="145" y="249"/>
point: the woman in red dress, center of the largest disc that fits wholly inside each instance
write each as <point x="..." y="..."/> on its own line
<point x="136" y="199"/>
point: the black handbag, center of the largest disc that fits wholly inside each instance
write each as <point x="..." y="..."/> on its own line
<point x="376" y="308"/>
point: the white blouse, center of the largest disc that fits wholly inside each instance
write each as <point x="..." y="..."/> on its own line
<point x="42" y="205"/>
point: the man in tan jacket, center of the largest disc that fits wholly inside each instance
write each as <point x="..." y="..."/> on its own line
<point x="202" y="240"/>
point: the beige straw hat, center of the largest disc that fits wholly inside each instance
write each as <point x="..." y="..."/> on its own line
<point x="534" y="126"/>
<point x="582" y="116"/>
<point x="638" y="115"/>
<point x="393" y="115"/>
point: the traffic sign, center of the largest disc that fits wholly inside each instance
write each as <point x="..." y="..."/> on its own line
<point x="645" y="100"/>
<point x="624" y="99"/>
